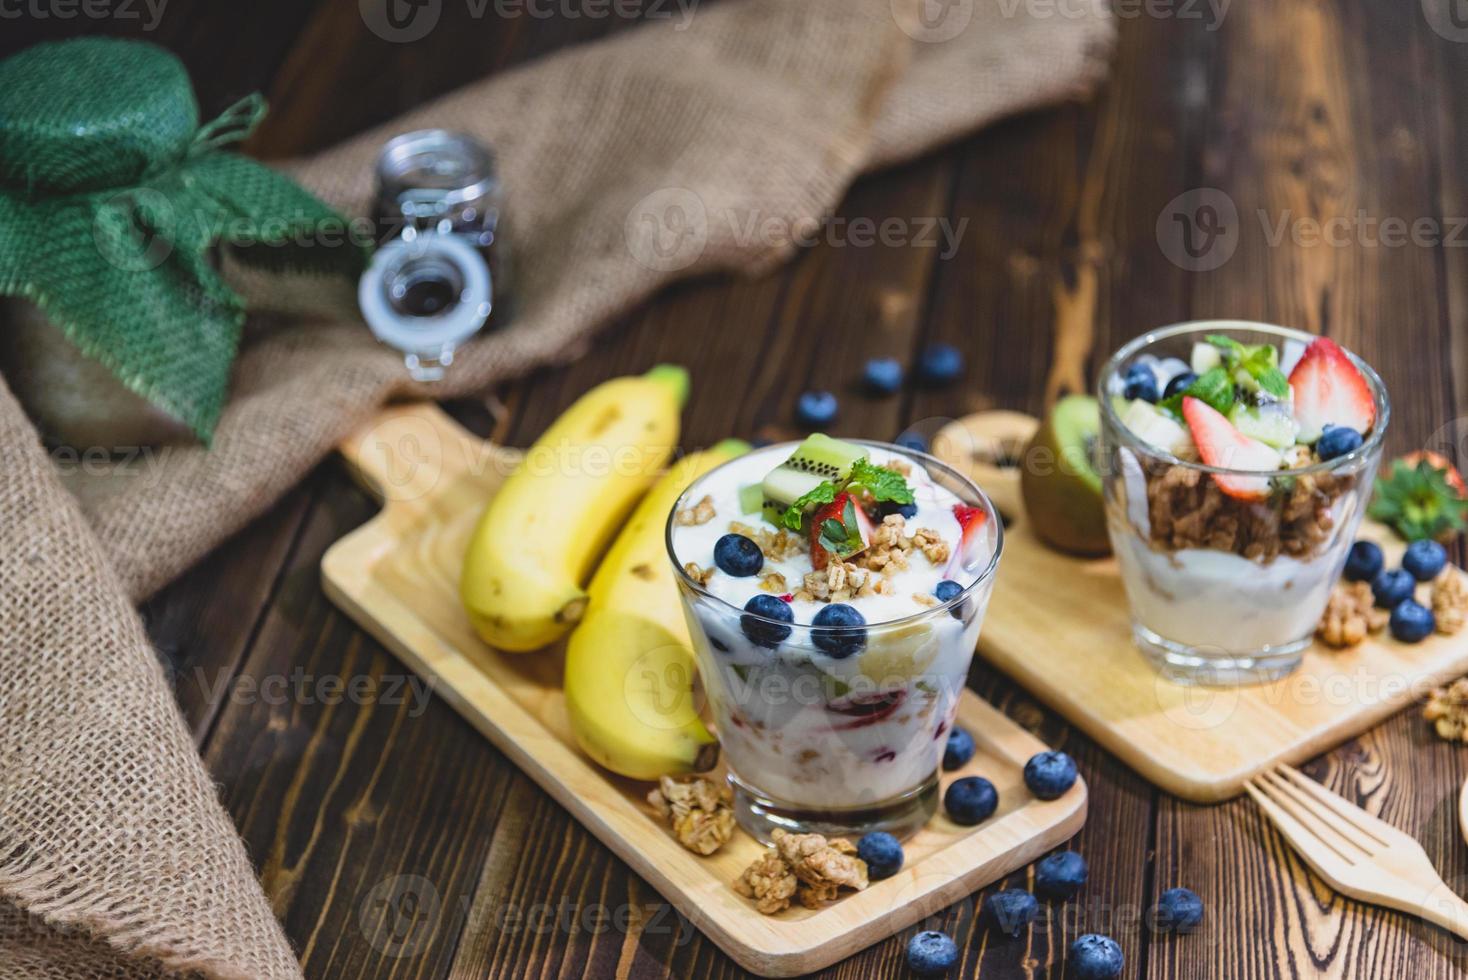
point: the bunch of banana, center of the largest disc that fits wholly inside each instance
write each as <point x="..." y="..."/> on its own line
<point x="541" y="534"/>
<point x="629" y="668"/>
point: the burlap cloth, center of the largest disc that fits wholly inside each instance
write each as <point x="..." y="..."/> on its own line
<point x="116" y="858"/>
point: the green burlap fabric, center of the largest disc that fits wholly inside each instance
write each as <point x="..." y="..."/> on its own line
<point x="112" y="201"/>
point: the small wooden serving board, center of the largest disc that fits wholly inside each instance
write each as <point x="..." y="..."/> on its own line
<point x="1060" y="626"/>
<point x="397" y="576"/>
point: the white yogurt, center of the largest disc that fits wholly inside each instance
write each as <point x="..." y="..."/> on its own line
<point x="810" y="729"/>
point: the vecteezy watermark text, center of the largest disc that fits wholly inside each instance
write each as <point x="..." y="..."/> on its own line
<point x="405" y="21"/>
<point x="300" y="687"/>
<point x="149" y="12"/>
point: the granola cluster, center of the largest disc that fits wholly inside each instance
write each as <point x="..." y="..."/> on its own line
<point x="1447" y="709"/>
<point x="839" y="581"/>
<point x="1350" y="615"/>
<point x="700" y="513"/>
<point x="698" y="573"/>
<point x="808" y="867"/>
<point x="1449" y="602"/>
<point x="893" y="545"/>
<point x="1188" y="510"/>
<point x="776" y="544"/>
<point x="700" y="812"/>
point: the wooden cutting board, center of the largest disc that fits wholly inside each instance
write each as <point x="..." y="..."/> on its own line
<point x="397" y="576"/>
<point x="1059" y="626"/>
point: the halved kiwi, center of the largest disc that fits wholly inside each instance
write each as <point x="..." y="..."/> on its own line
<point x="816" y="460"/>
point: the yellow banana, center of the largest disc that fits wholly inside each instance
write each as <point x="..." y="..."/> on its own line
<point x="629" y="669"/>
<point x="542" y="532"/>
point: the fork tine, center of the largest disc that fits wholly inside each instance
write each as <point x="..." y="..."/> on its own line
<point x="1303" y="806"/>
<point x="1358" y="818"/>
<point x="1298" y="835"/>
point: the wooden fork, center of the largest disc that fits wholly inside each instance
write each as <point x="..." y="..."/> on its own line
<point x="1359" y="855"/>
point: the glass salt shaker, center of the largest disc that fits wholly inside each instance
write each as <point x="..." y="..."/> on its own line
<point x="432" y="283"/>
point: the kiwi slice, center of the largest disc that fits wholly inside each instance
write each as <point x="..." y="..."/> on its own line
<point x="1060" y="481"/>
<point x="815" y="461"/>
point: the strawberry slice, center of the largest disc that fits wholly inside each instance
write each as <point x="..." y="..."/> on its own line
<point x="1222" y="445"/>
<point x="971" y="521"/>
<point x="838" y="511"/>
<point x="1330" y="391"/>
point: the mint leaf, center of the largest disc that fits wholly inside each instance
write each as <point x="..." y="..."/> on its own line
<point x="1272" y="380"/>
<point x="1260" y="362"/>
<point x="883" y="484"/>
<point x="1214" y="387"/>
<point x="842" y="537"/>
<point x="823" y="493"/>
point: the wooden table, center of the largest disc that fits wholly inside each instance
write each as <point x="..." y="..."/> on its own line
<point x="395" y="842"/>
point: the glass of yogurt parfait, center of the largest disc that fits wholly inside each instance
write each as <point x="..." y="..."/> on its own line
<point x="1237" y="459"/>
<point x="834" y="591"/>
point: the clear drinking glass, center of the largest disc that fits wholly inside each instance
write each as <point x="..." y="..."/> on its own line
<point x="841" y="747"/>
<point x="1225" y="591"/>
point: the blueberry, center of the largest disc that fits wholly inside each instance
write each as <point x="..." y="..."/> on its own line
<point x="1337" y="440"/>
<point x="1392" y="587"/>
<point x="1425" y="560"/>
<point x="939" y="364"/>
<point x="959" y="750"/>
<point x="1011" y="911"/>
<point x="816" y="408"/>
<point x="970" y="800"/>
<point x="948" y="590"/>
<point x="912" y="441"/>
<point x="1094" y="957"/>
<point x="1177" y="910"/>
<point x="1060" y="875"/>
<point x="1179" y="383"/>
<point x="888" y="507"/>
<point x="931" y="953"/>
<point x="718" y="644"/>
<point x="849" y="635"/>
<point x="882" y="853"/>
<point x="1140" y="382"/>
<point x="1364" y="562"/>
<point x="738" y="556"/>
<point x="1050" y="774"/>
<point x="883" y="375"/>
<point x="1412" y="622"/>
<point x="757" y="627"/>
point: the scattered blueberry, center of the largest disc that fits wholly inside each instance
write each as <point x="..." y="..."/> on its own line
<point x="738" y="556"/>
<point x="882" y="853"/>
<point x="816" y="408"/>
<point x="970" y="800"/>
<point x="1178" y="910"/>
<point x="883" y="375"/>
<point x="948" y="590"/>
<point x="1425" y="559"/>
<point x="1179" y="383"/>
<point x="1060" y="875"/>
<point x="1050" y="774"/>
<point x="939" y="364"/>
<point x="719" y="644"/>
<point x="1011" y="911"/>
<point x="1337" y="440"/>
<point x="759" y="630"/>
<point x="1140" y="382"/>
<point x="849" y="634"/>
<point x="1412" y="622"/>
<point x="1392" y="587"/>
<point x="959" y="750"/>
<point x="1094" y="957"/>
<point x="912" y="441"/>
<point x="1364" y="562"/>
<point x="931" y="953"/>
<point x="889" y="507"/>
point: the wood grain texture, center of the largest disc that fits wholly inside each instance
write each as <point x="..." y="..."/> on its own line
<point x="334" y="801"/>
<point x="397" y="576"/>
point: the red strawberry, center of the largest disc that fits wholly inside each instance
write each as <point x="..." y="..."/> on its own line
<point x="837" y="511"/>
<point x="1330" y="391"/>
<point x="1220" y="444"/>
<point x="1439" y="462"/>
<point x="971" y="520"/>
